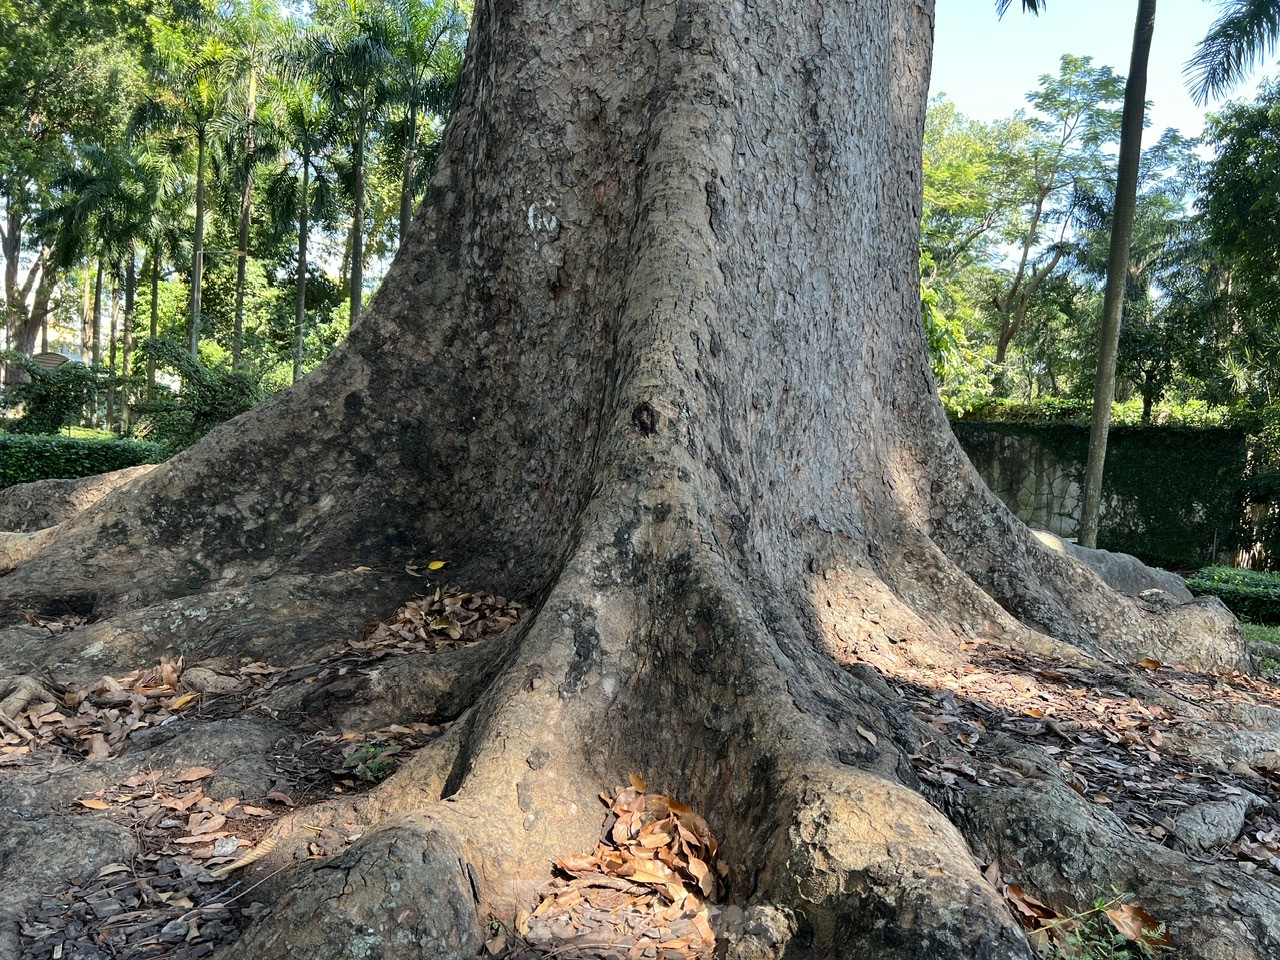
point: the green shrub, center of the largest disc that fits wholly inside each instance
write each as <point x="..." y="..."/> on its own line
<point x="50" y="399"/>
<point x="209" y="396"/>
<point x="25" y="458"/>
<point x="1251" y="594"/>
<point x="1079" y="410"/>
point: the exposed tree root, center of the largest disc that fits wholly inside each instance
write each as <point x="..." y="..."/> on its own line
<point x="28" y="507"/>
<point x="734" y="697"/>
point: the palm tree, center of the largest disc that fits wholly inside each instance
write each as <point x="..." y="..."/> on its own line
<point x="1132" y="122"/>
<point x="351" y="62"/>
<point x="1246" y="32"/>
<point x="190" y="100"/>
<point x="254" y="31"/>
<point x="428" y="56"/>
<point x="292" y="196"/>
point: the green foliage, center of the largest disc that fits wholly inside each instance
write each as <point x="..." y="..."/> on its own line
<point x="1051" y="409"/>
<point x="373" y="762"/>
<point x="1251" y="594"/>
<point x="50" y="399"/>
<point x="1092" y="936"/>
<point x="1264" y="644"/>
<point x="209" y="396"/>
<point x="27" y="458"/>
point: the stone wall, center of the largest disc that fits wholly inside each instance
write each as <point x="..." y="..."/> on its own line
<point x="1171" y="496"/>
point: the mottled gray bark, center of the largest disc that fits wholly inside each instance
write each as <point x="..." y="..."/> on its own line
<point x="651" y="359"/>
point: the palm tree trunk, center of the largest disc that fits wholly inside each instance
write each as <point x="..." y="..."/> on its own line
<point x="95" y="327"/>
<point x="126" y="333"/>
<point x="111" y="357"/>
<point x="246" y="207"/>
<point x="155" y="320"/>
<point x="86" y="313"/>
<point x="357" y="230"/>
<point x="1104" y="387"/>
<point x="197" y="249"/>
<point x="406" y="178"/>
<point x="300" y="294"/>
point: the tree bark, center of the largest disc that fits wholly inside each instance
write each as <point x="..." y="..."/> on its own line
<point x="666" y="381"/>
<point x="1104" y="384"/>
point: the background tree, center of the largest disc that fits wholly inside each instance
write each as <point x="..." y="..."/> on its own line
<point x="1075" y="116"/>
<point x="352" y="59"/>
<point x="190" y="91"/>
<point x="428" y="56"/>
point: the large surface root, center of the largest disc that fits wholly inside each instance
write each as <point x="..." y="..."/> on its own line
<point x="797" y="719"/>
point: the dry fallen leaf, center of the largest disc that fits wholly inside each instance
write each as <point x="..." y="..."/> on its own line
<point x="1136" y="924"/>
<point x="192" y="774"/>
<point x="94" y="804"/>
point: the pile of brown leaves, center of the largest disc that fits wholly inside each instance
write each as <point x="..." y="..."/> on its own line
<point x="172" y="816"/>
<point x="646" y="892"/>
<point x="96" y="720"/>
<point x="1047" y="928"/>
<point x="447" y="618"/>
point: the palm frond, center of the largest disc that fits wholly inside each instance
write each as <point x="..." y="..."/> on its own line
<point x="1028" y="6"/>
<point x="1245" y="32"/>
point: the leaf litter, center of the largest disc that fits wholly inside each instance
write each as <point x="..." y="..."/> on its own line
<point x="1111" y="747"/>
<point x="176" y="899"/>
<point x="650" y="890"/>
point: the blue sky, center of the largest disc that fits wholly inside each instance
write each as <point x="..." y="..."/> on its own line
<point x="987" y="65"/>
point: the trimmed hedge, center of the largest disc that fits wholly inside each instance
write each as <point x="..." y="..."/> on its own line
<point x="25" y="458"/>
<point x="1251" y="594"/>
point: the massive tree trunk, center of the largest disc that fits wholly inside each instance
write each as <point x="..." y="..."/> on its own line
<point x="651" y="360"/>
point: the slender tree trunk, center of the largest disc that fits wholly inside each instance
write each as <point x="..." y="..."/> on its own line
<point x="246" y="210"/>
<point x="357" y="230"/>
<point x="12" y="250"/>
<point x="408" y="172"/>
<point x="112" y="327"/>
<point x="1104" y="385"/>
<point x="653" y="362"/>
<point x="300" y="293"/>
<point x="95" y="326"/>
<point x="197" y="249"/>
<point x="86" y="313"/>
<point x="154" y="328"/>
<point x="95" y="339"/>
<point x="126" y="346"/>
